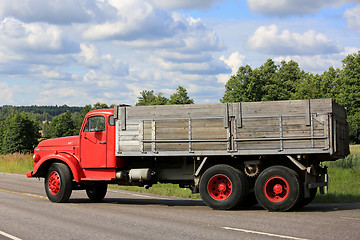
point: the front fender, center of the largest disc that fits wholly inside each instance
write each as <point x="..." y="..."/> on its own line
<point x="66" y="158"/>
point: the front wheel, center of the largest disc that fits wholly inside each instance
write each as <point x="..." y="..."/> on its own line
<point x="278" y="188"/>
<point x="223" y="187"/>
<point x="58" y="183"/>
<point x="97" y="191"/>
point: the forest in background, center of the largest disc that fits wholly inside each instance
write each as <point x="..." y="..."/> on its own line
<point x="21" y="127"/>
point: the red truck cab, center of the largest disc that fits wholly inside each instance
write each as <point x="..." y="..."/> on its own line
<point x="85" y="158"/>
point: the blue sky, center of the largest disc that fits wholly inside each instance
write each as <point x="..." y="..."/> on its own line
<point x="78" y="52"/>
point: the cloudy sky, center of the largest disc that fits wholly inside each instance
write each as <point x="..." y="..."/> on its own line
<point x="79" y="52"/>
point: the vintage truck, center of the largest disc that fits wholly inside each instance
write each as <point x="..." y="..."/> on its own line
<point x="234" y="154"/>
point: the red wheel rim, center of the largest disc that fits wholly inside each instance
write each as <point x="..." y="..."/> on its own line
<point x="276" y="189"/>
<point x="219" y="187"/>
<point x="54" y="182"/>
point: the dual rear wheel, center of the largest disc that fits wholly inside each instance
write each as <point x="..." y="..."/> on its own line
<point x="277" y="188"/>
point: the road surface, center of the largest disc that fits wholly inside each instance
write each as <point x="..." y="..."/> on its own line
<point x="26" y="213"/>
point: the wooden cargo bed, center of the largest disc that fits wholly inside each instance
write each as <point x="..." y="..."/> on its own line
<point x="316" y="126"/>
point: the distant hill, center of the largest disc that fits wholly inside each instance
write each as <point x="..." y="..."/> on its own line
<point x="50" y="111"/>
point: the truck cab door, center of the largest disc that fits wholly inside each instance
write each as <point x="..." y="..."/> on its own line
<point x="93" y="143"/>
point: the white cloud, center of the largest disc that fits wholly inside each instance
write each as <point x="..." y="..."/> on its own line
<point x="319" y="63"/>
<point x="33" y="37"/>
<point x="184" y="4"/>
<point x="7" y="93"/>
<point x="164" y="43"/>
<point x="209" y="67"/>
<point x="89" y="55"/>
<point x="54" y="11"/>
<point x="92" y="58"/>
<point x="353" y="17"/>
<point x="269" y="40"/>
<point x="293" y="7"/>
<point x="234" y="61"/>
<point x="136" y="19"/>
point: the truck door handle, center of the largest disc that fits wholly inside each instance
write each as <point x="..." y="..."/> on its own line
<point x="102" y="142"/>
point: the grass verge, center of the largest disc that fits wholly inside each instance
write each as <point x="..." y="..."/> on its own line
<point x="16" y="163"/>
<point x="344" y="186"/>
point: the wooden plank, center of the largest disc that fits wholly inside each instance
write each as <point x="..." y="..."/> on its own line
<point x="123" y="118"/>
<point x="175" y="111"/>
<point x="307" y="113"/>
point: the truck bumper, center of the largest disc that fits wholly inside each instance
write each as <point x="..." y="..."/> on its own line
<point x="29" y="174"/>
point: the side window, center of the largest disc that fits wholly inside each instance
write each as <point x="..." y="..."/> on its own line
<point x="95" y="124"/>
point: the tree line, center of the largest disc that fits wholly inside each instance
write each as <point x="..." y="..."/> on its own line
<point x="287" y="81"/>
<point x="22" y="127"/>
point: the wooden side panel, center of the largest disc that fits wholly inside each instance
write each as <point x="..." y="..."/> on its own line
<point x="221" y="129"/>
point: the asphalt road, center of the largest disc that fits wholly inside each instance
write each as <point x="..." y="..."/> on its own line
<point x="26" y="213"/>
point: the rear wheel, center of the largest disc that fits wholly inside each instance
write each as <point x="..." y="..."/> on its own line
<point x="97" y="191"/>
<point x="58" y="183"/>
<point x="223" y="187"/>
<point x="278" y="188"/>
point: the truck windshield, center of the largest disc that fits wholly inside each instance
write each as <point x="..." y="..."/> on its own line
<point x="95" y="124"/>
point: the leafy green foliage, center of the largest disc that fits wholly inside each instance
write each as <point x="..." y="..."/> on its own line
<point x="18" y="133"/>
<point x="62" y="126"/>
<point x="287" y="81"/>
<point x="180" y="97"/>
<point x="243" y="87"/>
<point x="349" y="93"/>
<point x="269" y="82"/>
<point x="150" y="98"/>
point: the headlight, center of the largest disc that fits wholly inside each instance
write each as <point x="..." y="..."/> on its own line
<point x="36" y="157"/>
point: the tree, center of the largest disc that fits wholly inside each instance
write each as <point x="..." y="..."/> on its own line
<point x="349" y="93"/>
<point x="283" y="83"/>
<point x="180" y="97"/>
<point x="149" y="98"/>
<point x="242" y="87"/>
<point x="19" y="133"/>
<point x="62" y="126"/>
<point x="99" y="105"/>
<point x="330" y="83"/>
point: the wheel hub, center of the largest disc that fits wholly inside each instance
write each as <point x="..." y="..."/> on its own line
<point x="278" y="189"/>
<point x="220" y="187"/>
<point x="54" y="183"/>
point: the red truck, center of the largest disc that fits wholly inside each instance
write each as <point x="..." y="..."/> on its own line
<point x="234" y="154"/>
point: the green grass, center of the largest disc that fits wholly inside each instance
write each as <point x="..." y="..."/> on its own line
<point x="344" y="186"/>
<point x="344" y="178"/>
<point x="16" y="163"/>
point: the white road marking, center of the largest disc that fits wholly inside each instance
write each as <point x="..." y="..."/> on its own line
<point x="350" y="218"/>
<point x="263" y="233"/>
<point x="9" y="236"/>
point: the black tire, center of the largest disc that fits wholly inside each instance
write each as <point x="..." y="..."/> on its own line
<point x="58" y="183"/>
<point x="305" y="201"/>
<point x="223" y="187"/>
<point x="250" y="200"/>
<point x="97" y="191"/>
<point x="278" y="188"/>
